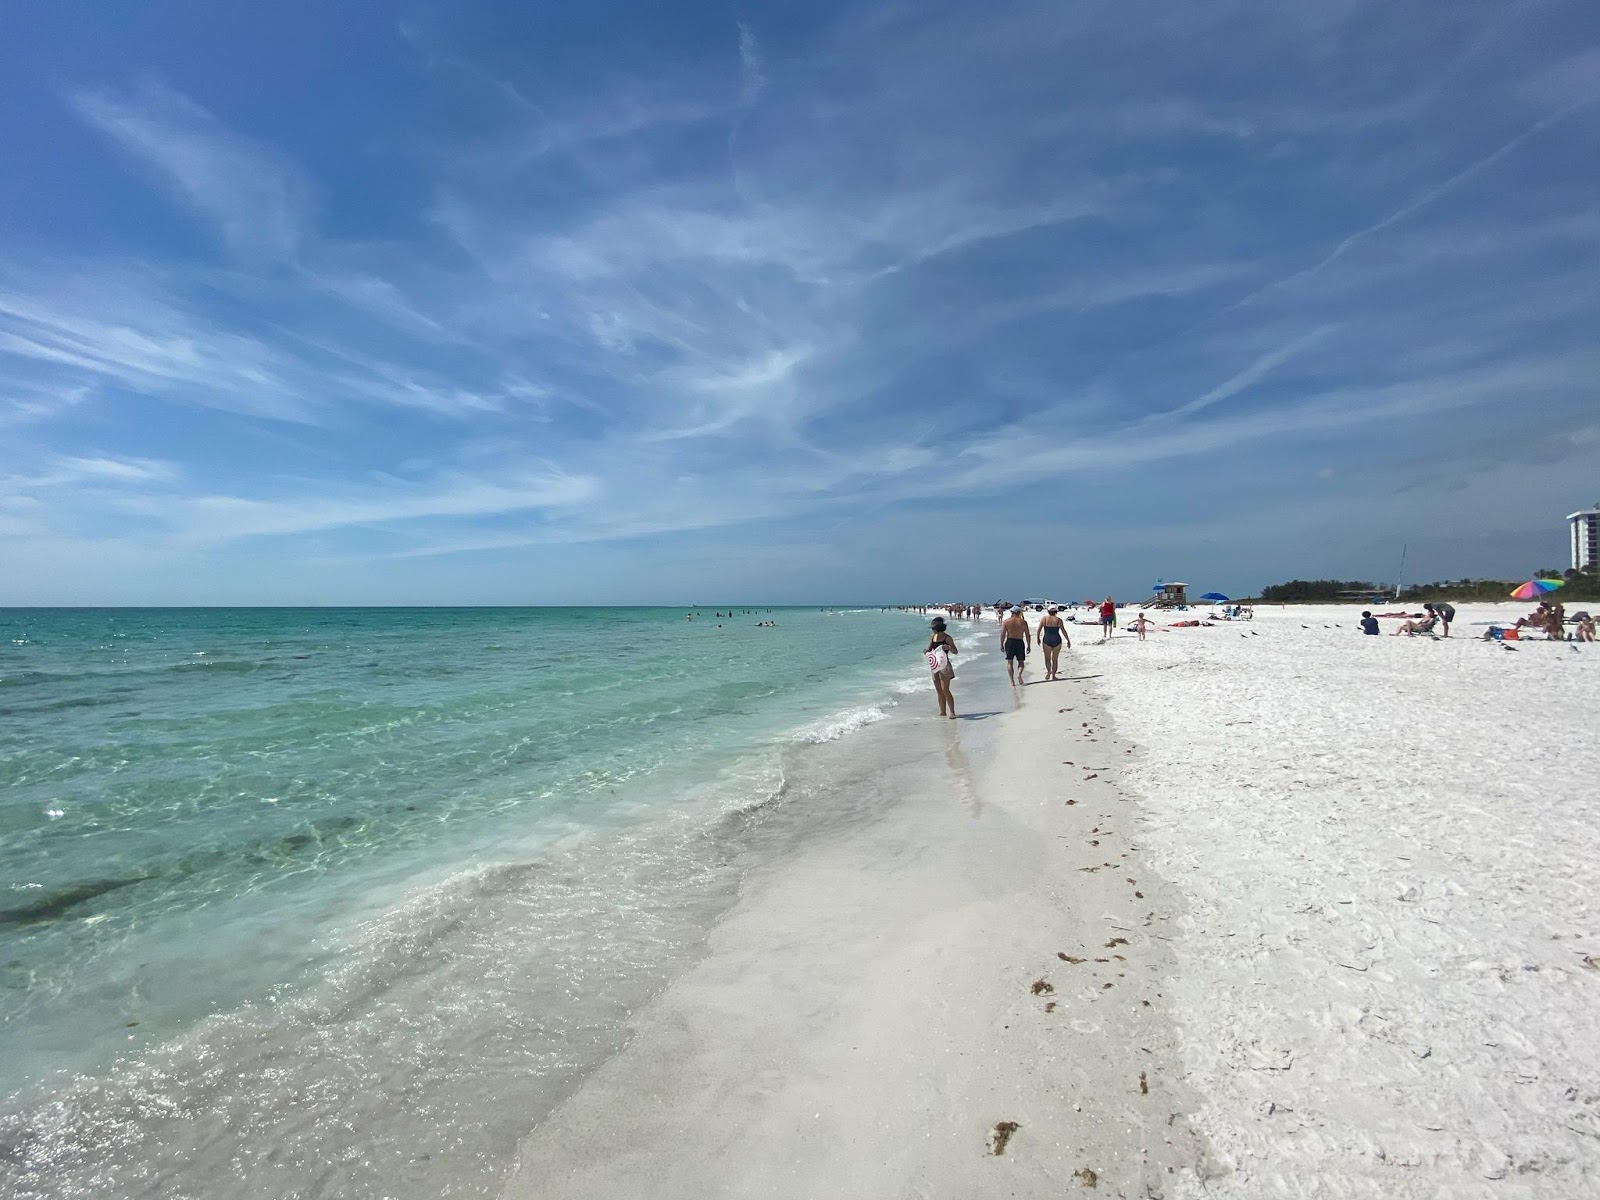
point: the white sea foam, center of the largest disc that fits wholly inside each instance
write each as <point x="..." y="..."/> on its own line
<point x="836" y="727"/>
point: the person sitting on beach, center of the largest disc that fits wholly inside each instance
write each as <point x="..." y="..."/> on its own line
<point x="1540" y="618"/>
<point x="940" y="665"/>
<point x="1585" y="627"/>
<point x="1412" y="628"/>
<point x="1369" y="623"/>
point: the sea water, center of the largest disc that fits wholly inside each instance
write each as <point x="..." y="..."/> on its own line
<point x="340" y="902"/>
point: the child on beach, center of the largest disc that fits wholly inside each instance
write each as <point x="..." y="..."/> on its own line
<point x="1140" y="624"/>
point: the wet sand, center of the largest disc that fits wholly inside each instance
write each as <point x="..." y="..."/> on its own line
<point x="988" y="949"/>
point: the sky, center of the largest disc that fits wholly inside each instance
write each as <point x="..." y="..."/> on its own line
<point x="482" y="302"/>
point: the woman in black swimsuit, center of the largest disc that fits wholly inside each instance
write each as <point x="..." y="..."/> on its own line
<point x="942" y="679"/>
<point x="1052" y="631"/>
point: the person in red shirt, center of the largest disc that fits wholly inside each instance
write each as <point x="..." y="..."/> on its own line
<point x="1108" y="619"/>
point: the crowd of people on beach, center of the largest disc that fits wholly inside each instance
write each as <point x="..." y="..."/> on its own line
<point x="1550" y="619"/>
<point x="1049" y="630"/>
<point x="1438" y="619"/>
<point x="1017" y="638"/>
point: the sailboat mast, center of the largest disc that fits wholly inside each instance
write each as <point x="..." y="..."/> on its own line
<point x="1398" y="575"/>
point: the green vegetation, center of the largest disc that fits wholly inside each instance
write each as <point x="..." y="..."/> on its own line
<point x="1580" y="585"/>
<point x="1319" y="591"/>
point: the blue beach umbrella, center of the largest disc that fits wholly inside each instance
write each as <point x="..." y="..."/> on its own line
<point x="1217" y="596"/>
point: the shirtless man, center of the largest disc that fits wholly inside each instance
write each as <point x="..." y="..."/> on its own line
<point x="1052" y="632"/>
<point x="1016" y="639"/>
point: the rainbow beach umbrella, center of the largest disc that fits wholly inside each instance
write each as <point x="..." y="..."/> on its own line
<point x="1535" y="588"/>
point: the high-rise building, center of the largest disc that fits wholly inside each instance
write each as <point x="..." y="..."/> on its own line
<point x="1585" y="539"/>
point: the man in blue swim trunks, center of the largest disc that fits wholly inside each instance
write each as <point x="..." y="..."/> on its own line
<point x="1016" y="639"/>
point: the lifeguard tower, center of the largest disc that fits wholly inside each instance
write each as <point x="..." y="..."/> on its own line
<point x="1169" y="595"/>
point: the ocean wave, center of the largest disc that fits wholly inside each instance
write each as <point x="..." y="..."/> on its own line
<point x="46" y="904"/>
<point x="27" y="678"/>
<point x="837" y="727"/>
<point x="531" y="967"/>
<point x="773" y="793"/>
<point x="18" y="710"/>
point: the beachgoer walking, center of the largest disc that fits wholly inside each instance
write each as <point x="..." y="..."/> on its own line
<point x="1052" y="632"/>
<point x="1016" y="639"/>
<point x="1108" y="619"/>
<point x="941" y="646"/>
<point x="1140" y="624"/>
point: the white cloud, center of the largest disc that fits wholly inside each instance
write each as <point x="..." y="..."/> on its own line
<point x="257" y="198"/>
<point x="933" y="252"/>
<point x="217" y="519"/>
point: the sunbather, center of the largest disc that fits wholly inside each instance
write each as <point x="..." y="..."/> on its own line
<point x="1411" y="628"/>
<point x="1543" y="618"/>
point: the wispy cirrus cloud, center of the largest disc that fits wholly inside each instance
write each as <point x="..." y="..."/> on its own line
<point x="73" y="469"/>
<point x="257" y="197"/>
<point x="220" y="519"/>
<point x="815" y="269"/>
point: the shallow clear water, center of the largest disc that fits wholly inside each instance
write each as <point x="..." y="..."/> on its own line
<point x="317" y="902"/>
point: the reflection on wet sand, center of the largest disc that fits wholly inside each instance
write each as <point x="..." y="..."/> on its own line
<point x="960" y="773"/>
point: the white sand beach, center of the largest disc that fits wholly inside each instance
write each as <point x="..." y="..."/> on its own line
<point x="1389" y="854"/>
<point x="1267" y="909"/>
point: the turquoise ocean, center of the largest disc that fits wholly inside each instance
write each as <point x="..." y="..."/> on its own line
<point x="317" y="902"/>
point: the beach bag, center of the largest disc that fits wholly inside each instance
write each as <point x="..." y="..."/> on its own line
<point x="939" y="663"/>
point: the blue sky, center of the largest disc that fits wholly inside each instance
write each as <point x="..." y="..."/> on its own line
<point x="507" y="303"/>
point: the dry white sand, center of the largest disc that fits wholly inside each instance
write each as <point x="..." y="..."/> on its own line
<point x="1389" y="850"/>
<point x="1357" y="880"/>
